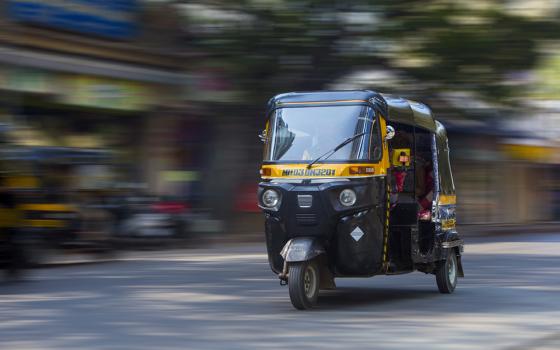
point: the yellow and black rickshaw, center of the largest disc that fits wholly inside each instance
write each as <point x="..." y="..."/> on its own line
<point x="356" y="184"/>
<point x="57" y="210"/>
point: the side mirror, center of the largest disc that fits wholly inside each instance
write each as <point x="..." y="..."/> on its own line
<point x="390" y="132"/>
<point x="262" y="136"/>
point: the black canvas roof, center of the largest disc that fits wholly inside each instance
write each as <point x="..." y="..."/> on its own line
<point x="396" y="109"/>
<point x="409" y="112"/>
<point x="324" y="96"/>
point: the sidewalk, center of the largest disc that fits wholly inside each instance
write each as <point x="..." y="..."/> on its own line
<point x="64" y="259"/>
<point x="238" y="238"/>
<point x="508" y="229"/>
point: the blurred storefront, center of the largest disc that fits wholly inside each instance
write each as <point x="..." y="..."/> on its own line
<point x="46" y="108"/>
<point x="232" y="151"/>
<point x="503" y="177"/>
<point x="85" y="74"/>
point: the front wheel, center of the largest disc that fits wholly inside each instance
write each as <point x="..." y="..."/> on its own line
<point x="446" y="274"/>
<point x="303" y="284"/>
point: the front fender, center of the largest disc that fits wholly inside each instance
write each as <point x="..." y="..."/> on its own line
<point x="451" y="239"/>
<point x="301" y="249"/>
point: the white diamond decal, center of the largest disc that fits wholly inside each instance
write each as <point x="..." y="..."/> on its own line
<point x="357" y="233"/>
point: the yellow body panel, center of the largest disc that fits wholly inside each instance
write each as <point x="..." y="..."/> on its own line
<point x="319" y="170"/>
<point x="44" y="223"/>
<point x="22" y="182"/>
<point x="447" y="199"/>
<point x="13" y="218"/>
<point x="9" y="217"/>
<point x="385" y="161"/>
<point x="47" y="207"/>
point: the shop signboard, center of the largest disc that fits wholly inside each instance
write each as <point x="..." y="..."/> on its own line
<point x="80" y="90"/>
<point x="25" y="80"/>
<point x="105" y="93"/>
<point x="113" y="19"/>
<point x="531" y="152"/>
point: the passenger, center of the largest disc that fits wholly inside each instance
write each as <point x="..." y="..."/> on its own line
<point x="425" y="189"/>
<point x="399" y="177"/>
<point x="401" y="140"/>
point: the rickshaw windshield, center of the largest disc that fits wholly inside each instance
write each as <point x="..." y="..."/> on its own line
<point x="298" y="134"/>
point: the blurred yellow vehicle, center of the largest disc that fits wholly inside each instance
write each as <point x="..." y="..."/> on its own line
<point x="12" y="247"/>
<point x="58" y="197"/>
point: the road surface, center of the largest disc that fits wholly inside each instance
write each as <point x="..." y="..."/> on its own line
<point x="227" y="298"/>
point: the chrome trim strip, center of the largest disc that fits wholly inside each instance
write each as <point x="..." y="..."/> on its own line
<point x="452" y="244"/>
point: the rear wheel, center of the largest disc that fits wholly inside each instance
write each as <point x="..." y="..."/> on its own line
<point x="303" y="284"/>
<point x="446" y="274"/>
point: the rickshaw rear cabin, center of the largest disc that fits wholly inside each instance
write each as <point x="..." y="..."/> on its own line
<point x="356" y="184"/>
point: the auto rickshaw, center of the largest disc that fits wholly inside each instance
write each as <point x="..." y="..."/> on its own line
<point x="356" y="184"/>
<point x="58" y="210"/>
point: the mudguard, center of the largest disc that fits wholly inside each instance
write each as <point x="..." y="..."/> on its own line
<point x="301" y="249"/>
<point x="452" y="240"/>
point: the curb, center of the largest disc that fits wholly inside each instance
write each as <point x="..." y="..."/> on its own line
<point x="507" y="229"/>
<point x="236" y="239"/>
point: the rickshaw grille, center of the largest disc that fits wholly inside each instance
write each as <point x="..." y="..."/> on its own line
<point x="305" y="200"/>
<point x="306" y="219"/>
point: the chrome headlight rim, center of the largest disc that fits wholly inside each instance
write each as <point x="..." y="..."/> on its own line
<point x="266" y="201"/>
<point x="346" y="194"/>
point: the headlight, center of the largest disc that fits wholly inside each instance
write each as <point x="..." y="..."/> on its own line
<point x="347" y="197"/>
<point x="270" y="198"/>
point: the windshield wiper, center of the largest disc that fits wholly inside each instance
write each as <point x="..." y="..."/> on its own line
<point x="333" y="151"/>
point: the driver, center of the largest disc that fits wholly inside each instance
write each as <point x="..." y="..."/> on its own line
<point x="425" y="188"/>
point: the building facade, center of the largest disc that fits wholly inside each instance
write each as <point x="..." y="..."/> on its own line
<point x="91" y="74"/>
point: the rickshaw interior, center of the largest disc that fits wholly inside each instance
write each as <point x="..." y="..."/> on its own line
<point x="411" y="193"/>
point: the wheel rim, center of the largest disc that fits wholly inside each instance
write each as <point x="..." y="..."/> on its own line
<point x="452" y="271"/>
<point x="309" y="282"/>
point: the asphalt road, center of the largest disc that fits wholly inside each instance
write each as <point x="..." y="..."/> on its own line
<point x="229" y="299"/>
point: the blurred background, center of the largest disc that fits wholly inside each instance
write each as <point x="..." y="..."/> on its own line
<point x="129" y="124"/>
<point x="138" y="119"/>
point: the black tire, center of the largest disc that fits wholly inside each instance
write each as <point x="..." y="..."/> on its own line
<point x="446" y="274"/>
<point x="303" y="284"/>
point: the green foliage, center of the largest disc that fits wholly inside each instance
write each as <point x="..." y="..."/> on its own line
<point x="297" y="45"/>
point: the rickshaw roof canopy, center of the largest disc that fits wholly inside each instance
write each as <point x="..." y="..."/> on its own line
<point x="396" y="109"/>
<point x="323" y="96"/>
<point x="409" y="112"/>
